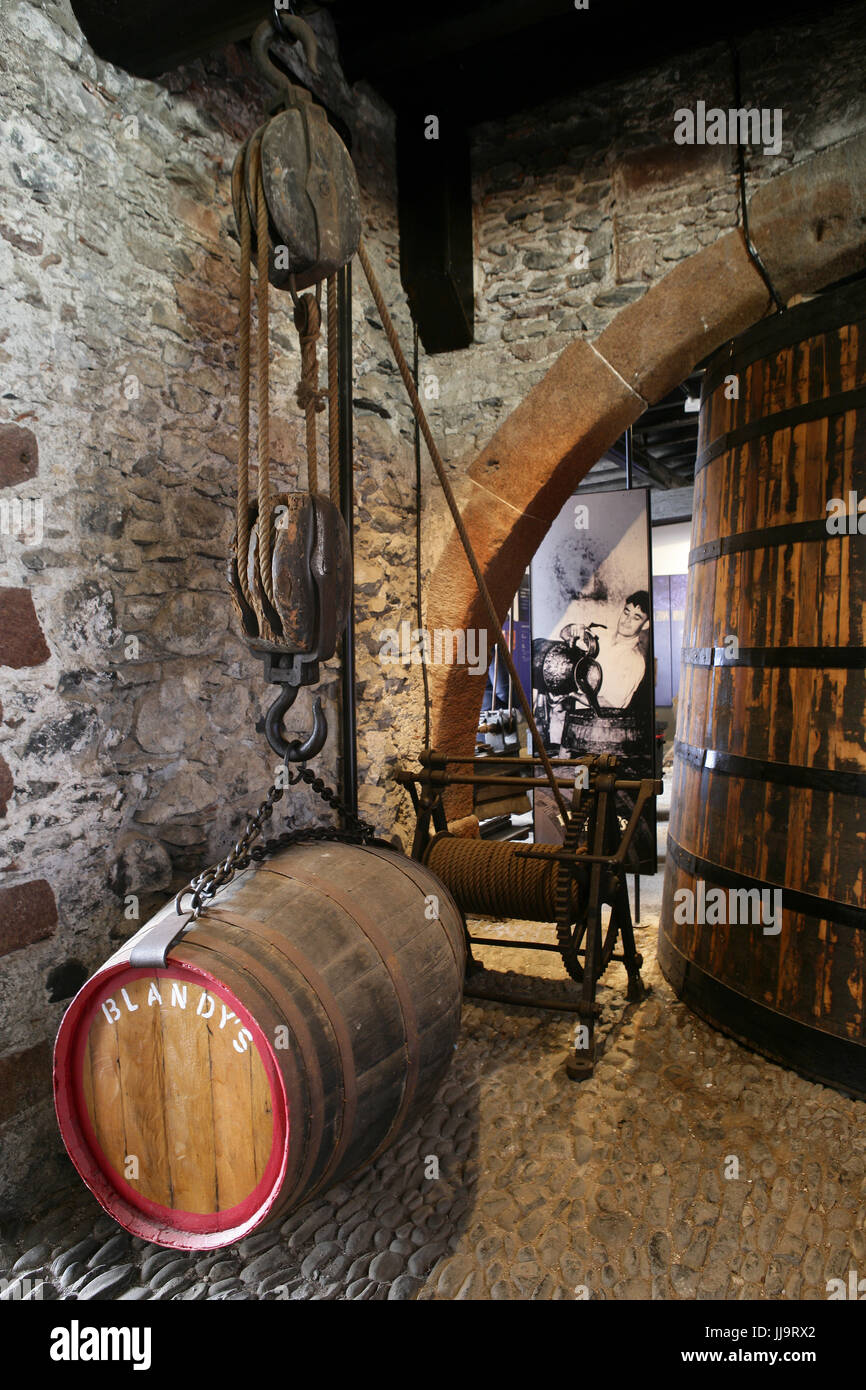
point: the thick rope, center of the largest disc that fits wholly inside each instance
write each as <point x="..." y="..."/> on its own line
<point x="442" y="475"/>
<point x="491" y="879"/>
<point x="262" y="346"/>
<point x="308" y="321"/>
<point x="333" y="394"/>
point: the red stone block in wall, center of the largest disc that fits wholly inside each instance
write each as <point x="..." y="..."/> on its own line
<point x="22" y="641"/>
<point x="25" y="1079"/>
<point x="28" y="913"/>
<point x="7" y="786"/>
<point x="19" y="455"/>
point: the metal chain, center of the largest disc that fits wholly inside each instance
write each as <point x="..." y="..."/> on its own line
<point x="205" y="886"/>
<point x="357" y="831"/>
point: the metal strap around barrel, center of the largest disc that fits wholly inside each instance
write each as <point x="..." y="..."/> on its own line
<point x="404" y="998"/>
<point x="779" y="658"/>
<point x="334" y="1014"/>
<point x="420" y="879"/>
<point x="823" y="779"/>
<point x="821" y="1056"/>
<point x="828" y="313"/>
<point x="782" y="420"/>
<point x="153" y="943"/>
<point x="809" y="904"/>
<point x="793" y="533"/>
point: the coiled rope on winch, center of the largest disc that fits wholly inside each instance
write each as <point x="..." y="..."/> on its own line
<point x="438" y="464"/>
<point x="494" y="879"/>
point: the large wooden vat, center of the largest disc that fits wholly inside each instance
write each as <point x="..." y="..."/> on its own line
<point x="770" y="760"/>
<point x="298" y="1028"/>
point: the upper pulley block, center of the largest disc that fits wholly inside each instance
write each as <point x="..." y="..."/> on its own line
<point x="309" y="180"/>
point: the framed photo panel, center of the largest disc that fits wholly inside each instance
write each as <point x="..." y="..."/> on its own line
<point x="592" y="648"/>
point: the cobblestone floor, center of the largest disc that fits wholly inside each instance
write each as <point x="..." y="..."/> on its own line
<point x="611" y="1189"/>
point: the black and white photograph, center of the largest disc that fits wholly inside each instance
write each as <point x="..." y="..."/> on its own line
<point x="592" y="647"/>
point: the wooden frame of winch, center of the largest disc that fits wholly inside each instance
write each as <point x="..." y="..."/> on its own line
<point x="595" y="876"/>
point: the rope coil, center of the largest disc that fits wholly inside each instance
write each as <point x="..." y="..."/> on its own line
<point x="493" y="880"/>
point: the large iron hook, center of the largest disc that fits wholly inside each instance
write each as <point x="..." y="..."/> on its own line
<point x="296" y="751"/>
<point x="294" y="30"/>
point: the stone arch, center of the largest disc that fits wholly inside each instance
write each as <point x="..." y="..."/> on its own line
<point x="809" y="228"/>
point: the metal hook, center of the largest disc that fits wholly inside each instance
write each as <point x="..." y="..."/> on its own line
<point x="296" y="751"/>
<point x="292" y="29"/>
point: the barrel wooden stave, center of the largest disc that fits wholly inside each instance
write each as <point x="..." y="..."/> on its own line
<point x="362" y="988"/>
<point x="783" y="591"/>
<point x="774" y="976"/>
<point x="310" y="1080"/>
<point x="370" y="1016"/>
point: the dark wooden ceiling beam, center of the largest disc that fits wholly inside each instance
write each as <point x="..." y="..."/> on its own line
<point x="407" y="45"/>
<point x="149" y="37"/>
<point x="508" y="54"/>
<point x="645" y="464"/>
<point x="667" y="434"/>
<point x="664" y="412"/>
<point x="434" y="188"/>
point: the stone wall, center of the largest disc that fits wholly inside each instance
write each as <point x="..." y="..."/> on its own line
<point x="128" y="747"/>
<point x="602" y="171"/>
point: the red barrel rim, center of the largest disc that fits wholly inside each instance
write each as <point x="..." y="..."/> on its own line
<point x="137" y="1214"/>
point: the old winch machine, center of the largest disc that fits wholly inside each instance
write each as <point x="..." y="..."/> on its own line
<point x="568" y="885"/>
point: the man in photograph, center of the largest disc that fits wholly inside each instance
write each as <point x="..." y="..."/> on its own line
<point x="622" y="654"/>
<point x="591" y="667"/>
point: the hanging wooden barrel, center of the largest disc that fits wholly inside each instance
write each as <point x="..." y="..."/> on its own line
<point x="297" y="1029"/>
<point x="770" y="759"/>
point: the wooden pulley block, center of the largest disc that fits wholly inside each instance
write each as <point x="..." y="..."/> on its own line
<point x="309" y="181"/>
<point x="311" y="572"/>
<point x="311" y="191"/>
